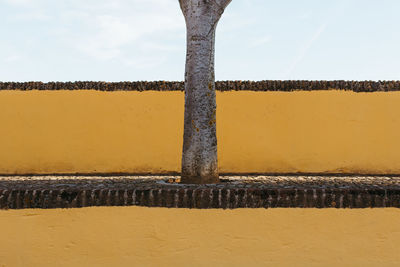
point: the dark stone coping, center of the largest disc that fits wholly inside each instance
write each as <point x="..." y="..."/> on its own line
<point x="272" y="85"/>
<point x="19" y="192"/>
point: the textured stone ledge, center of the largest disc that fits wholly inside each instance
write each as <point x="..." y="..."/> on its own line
<point x="234" y="192"/>
<point x="356" y="86"/>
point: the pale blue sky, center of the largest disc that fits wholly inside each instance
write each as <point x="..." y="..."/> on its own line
<point x="130" y="40"/>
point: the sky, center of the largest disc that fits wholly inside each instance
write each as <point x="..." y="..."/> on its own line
<point x="135" y="40"/>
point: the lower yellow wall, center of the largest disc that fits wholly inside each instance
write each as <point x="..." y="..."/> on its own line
<point x="137" y="236"/>
<point x="138" y="132"/>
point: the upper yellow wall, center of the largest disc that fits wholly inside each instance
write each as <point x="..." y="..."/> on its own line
<point x="136" y="132"/>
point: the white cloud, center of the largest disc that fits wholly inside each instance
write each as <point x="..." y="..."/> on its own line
<point x="103" y="29"/>
<point x="144" y="63"/>
<point x="260" y="41"/>
<point x="20" y="3"/>
<point x="108" y="27"/>
<point x="30" y="16"/>
<point x="12" y="58"/>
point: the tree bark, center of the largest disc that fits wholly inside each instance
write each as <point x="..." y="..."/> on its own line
<point x="199" y="157"/>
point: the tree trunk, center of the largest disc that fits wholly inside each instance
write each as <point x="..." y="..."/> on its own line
<point x="199" y="157"/>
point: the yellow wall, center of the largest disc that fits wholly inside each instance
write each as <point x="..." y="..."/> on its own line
<point x="137" y="132"/>
<point x="137" y="236"/>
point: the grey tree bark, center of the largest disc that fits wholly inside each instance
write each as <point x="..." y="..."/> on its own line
<point x="199" y="157"/>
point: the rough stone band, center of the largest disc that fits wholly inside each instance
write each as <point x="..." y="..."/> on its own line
<point x="290" y="192"/>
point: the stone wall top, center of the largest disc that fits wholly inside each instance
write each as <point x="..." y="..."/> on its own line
<point x="272" y="85"/>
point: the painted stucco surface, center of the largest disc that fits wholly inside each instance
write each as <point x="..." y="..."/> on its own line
<point x="141" y="132"/>
<point x="137" y="236"/>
